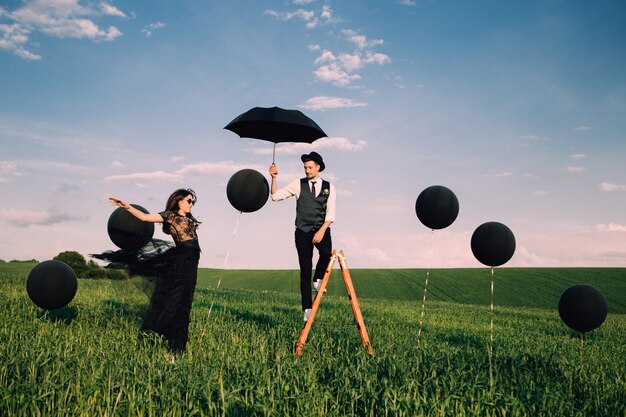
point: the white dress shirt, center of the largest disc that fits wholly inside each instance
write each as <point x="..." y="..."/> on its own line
<point x="293" y="190"/>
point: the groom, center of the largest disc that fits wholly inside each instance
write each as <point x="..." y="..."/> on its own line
<point x="315" y="211"/>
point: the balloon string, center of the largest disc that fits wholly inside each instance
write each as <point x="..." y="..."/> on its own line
<point x="219" y="281"/>
<point x="419" y="332"/>
<point x="491" y="336"/>
<point x="582" y="347"/>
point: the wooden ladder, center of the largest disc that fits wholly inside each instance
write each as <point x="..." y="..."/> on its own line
<point x="354" y="302"/>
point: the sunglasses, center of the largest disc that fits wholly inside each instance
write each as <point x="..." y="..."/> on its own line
<point x="190" y="201"/>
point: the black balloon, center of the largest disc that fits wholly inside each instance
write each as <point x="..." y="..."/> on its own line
<point x="493" y="244"/>
<point x="247" y="190"/>
<point x="51" y="284"/>
<point x="437" y="207"/>
<point x="582" y="307"/>
<point x="128" y="232"/>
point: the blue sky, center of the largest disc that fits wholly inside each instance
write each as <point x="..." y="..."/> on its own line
<point x="518" y="107"/>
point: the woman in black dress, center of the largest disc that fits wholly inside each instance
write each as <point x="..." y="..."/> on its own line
<point x="176" y="268"/>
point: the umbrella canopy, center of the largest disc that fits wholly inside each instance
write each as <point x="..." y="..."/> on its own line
<point x="276" y="125"/>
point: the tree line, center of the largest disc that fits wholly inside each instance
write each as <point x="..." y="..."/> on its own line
<point x="81" y="267"/>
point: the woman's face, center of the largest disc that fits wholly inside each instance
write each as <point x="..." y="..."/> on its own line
<point x="185" y="205"/>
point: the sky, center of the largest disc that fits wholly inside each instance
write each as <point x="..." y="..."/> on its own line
<point x="519" y="108"/>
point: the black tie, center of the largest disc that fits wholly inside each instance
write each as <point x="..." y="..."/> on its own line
<point x="313" y="188"/>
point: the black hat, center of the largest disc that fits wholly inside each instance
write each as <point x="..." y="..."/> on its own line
<point x="315" y="157"/>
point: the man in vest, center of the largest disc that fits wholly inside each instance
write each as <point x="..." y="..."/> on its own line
<point x="315" y="211"/>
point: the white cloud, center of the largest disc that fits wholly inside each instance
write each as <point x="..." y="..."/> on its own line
<point x="145" y="176"/>
<point x="503" y="174"/>
<point x="350" y="62"/>
<point x="149" y="29"/>
<point x="325" y="57"/>
<point x="608" y="186"/>
<point x="407" y="2"/>
<point x="418" y="247"/>
<point x="309" y="17"/>
<point x="377" y="58"/>
<point x="13" y="37"/>
<point x="340" y="69"/>
<point x="25" y="167"/>
<point x="336" y="143"/>
<point x="361" y="41"/>
<point x="57" y="18"/>
<point x="42" y="165"/>
<point x="111" y="10"/>
<point x="578" y="156"/>
<point x="326" y="102"/>
<point x="177" y="158"/>
<point x="116" y="164"/>
<point x="574" y="170"/>
<point x="9" y="168"/>
<point x="25" y="218"/>
<point x="335" y="74"/>
<point x="300" y="14"/>
<point x="337" y="68"/>
<point x="611" y="227"/>
<point x="339" y="143"/>
<point x="221" y="169"/>
<point x="582" y="129"/>
<point x="587" y="248"/>
<point x="327" y="15"/>
<point x="410" y="250"/>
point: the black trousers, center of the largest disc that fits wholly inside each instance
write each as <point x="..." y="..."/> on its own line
<point x="170" y="306"/>
<point x="304" y="246"/>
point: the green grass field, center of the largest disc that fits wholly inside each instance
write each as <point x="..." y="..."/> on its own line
<point x="513" y="287"/>
<point x="90" y="359"/>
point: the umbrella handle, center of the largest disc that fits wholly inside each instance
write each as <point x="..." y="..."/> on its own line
<point x="274" y="153"/>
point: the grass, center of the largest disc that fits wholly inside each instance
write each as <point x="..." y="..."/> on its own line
<point x="90" y="359"/>
<point x="16" y="267"/>
<point x="514" y="287"/>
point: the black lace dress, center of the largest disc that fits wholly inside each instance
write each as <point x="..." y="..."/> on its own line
<point x="170" y="273"/>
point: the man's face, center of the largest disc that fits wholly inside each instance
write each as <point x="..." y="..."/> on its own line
<point x="311" y="169"/>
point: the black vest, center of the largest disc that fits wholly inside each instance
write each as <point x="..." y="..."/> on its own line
<point x="311" y="211"/>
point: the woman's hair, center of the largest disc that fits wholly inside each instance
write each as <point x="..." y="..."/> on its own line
<point x="172" y="205"/>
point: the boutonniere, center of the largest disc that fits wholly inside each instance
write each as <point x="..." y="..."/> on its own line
<point x="325" y="191"/>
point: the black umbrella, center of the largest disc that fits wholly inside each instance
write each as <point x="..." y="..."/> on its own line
<point x="276" y="125"/>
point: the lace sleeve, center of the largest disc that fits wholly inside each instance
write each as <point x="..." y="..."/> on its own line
<point x="167" y="216"/>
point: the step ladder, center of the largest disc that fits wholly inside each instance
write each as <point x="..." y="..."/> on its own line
<point x="354" y="302"/>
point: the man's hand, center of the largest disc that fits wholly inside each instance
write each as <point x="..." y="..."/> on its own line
<point x="273" y="170"/>
<point x="318" y="236"/>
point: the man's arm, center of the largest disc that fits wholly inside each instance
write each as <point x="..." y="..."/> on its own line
<point x="273" y="174"/>
<point x="319" y="235"/>
<point x="331" y="204"/>
<point x="330" y="215"/>
<point x="291" y="190"/>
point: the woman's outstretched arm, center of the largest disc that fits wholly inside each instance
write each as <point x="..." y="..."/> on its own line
<point x="152" y="218"/>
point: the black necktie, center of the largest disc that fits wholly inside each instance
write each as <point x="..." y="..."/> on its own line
<point x="313" y="188"/>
